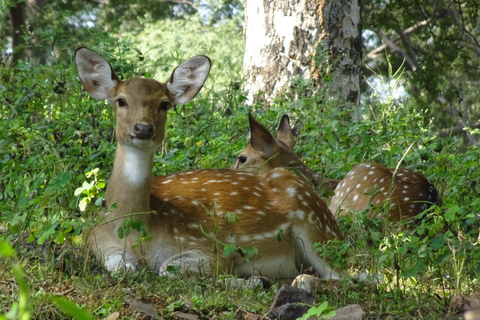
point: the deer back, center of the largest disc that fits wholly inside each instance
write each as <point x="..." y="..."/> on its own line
<point x="408" y="192"/>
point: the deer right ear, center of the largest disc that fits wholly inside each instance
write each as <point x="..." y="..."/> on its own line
<point x="261" y="139"/>
<point x="188" y="78"/>
<point x="95" y="72"/>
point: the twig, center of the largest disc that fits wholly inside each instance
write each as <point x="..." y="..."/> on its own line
<point x="64" y="292"/>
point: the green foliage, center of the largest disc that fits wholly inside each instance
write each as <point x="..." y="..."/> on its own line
<point x="20" y="309"/>
<point x="57" y="149"/>
<point x="129" y="224"/>
<point x="437" y="44"/>
<point x="322" y="311"/>
<point x="166" y="43"/>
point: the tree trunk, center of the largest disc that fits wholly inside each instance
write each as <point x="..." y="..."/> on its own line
<point x="282" y="38"/>
<point x="35" y="13"/>
<point x="17" y="30"/>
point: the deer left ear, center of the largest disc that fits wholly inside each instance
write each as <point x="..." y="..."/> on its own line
<point x="284" y="132"/>
<point x="188" y="78"/>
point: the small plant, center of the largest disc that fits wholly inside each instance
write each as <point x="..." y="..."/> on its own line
<point x="20" y="309"/>
<point x="321" y="311"/>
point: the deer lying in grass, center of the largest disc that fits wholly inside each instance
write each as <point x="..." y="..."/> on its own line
<point x="408" y="192"/>
<point x="192" y="216"/>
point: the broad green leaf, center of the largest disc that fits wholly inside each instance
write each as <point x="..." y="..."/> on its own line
<point x="5" y="249"/>
<point x="70" y="308"/>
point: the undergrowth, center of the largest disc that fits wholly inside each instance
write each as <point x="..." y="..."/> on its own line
<point x="57" y="148"/>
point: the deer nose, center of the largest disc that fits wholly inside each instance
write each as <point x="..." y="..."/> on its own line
<point x="143" y="131"/>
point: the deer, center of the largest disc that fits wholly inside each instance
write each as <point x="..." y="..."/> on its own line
<point x="408" y="192"/>
<point x="193" y="216"/>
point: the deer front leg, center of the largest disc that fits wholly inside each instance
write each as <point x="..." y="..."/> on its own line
<point x="190" y="261"/>
<point x="112" y="251"/>
<point x="120" y="261"/>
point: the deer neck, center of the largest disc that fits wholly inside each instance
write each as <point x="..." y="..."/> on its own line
<point x="129" y="185"/>
<point x="318" y="180"/>
<point x="306" y="172"/>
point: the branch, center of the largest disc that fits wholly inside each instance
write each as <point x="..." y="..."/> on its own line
<point x="98" y="1"/>
<point x="397" y="49"/>
<point x="376" y="52"/>
<point x="461" y="25"/>
<point x="460" y="127"/>
<point x="457" y="129"/>
<point x="408" y="45"/>
<point x="190" y="3"/>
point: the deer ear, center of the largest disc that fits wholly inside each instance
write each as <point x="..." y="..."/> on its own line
<point x="284" y="132"/>
<point x="261" y="139"/>
<point x="96" y="73"/>
<point x="188" y="78"/>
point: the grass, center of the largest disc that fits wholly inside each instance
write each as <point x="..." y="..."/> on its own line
<point x="67" y="271"/>
<point x="52" y="144"/>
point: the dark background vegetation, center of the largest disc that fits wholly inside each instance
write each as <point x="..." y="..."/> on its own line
<point x="57" y="147"/>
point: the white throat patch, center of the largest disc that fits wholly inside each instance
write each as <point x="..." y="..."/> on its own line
<point x="137" y="166"/>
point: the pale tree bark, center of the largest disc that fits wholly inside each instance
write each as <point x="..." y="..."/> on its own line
<point x="282" y="38"/>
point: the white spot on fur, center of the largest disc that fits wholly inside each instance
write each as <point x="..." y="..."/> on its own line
<point x="291" y="191"/>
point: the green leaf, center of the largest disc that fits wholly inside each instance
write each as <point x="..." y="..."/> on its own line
<point x="78" y="191"/>
<point x="231" y="217"/>
<point x="228" y="249"/>
<point x="44" y="235"/>
<point x="70" y="308"/>
<point x="249" y="252"/>
<point x="5" y="249"/>
<point x="172" y="269"/>
<point x="450" y="214"/>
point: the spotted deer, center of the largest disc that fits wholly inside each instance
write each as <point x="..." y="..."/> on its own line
<point x="408" y="192"/>
<point x="193" y="216"/>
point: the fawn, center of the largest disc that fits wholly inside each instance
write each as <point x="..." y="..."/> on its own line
<point x="409" y="192"/>
<point x="193" y="215"/>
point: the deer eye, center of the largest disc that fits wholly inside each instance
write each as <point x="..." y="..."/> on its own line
<point x="165" y="105"/>
<point x="121" y="102"/>
<point x="242" y="159"/>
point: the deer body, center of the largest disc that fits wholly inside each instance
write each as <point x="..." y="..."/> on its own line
<point x="189" y="214"/>
<point x="278" y="214"/>
<point x="408" y="192"/>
